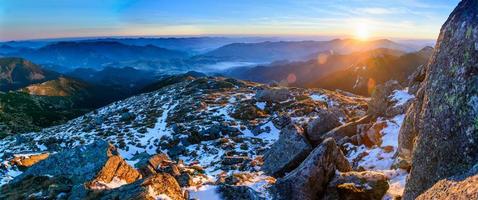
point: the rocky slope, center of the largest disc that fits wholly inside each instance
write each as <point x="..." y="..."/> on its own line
<point x="16" y="73"/>
<point x="220" y="138"/>
<point x="21" y="112"/>
<point x="373" y="71"/>
<point x="60" y="87"/>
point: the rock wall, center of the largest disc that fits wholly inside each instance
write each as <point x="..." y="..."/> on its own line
<point x="447" y="137"/>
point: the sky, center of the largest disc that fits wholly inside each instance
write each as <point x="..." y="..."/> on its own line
<point x="405" y="19"/>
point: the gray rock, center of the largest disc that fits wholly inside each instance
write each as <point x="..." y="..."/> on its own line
<point x="149" y="166"/>
<point x="347" y="130"/>
<point x="461" y="187"/>
<point x="447" y="138"/>
<point x="366" y="185"/>
<point x="229" y="192"/>
<point x="232" y="160"/>
<point x="39" y="187"/>
<point x="287" y="153"/>
<point x="147" y="189"/>
<point x="380" y="101"/>
<point x="309" y="180"/>
<point x="98" y="161"/>
<point x="415" y="79"/>
<point x="326" y="121"/>
<point x="274" y="95"/>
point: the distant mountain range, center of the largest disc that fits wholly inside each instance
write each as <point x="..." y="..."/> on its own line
<point x="336" y="71"/>
<point x="94" y="54"/>
<point x="376" y="70"/>
<point x="298" y="50"/>
<point x="179" y="55"/>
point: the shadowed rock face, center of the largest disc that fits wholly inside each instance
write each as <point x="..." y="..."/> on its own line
<point x="366" y="185"/>
<point x="157" y="186"/>
<point x="448" y="135"/>
<point x="287" y="153"/>
<point x="94" y="165"/>
<point x="459" y="187"/>
<point x="309" y="180"/>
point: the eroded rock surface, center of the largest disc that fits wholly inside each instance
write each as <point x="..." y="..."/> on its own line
<point x="287" y="153"/>
<point x="309" y="180"/>
<point x="447" y="135"/>
<point x="365" y="185"/>
<point x="459" y="187"/>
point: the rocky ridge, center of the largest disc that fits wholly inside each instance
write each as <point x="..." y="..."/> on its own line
<point x="218" y="137"/>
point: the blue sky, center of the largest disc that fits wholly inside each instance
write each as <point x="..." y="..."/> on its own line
<point x="28" y="19"/>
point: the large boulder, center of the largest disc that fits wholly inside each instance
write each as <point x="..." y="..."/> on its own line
<point x="309" y="180"/>
<point x="380" y="101"/>
<point x="149" y="167"/>
<point x="94" y="166"/>
<point x="274" y="95"/>
<point x="366" y="185"/>
<point x="326" y="120"/>
<point x="37" y="187"/>
<point x="231" y="192"/>
<point x="446" y="142"/>
<point x="347" y="130"/>
<point x="158" y="186"/>
<point x="28" y="160"/>
<point x="461" y="187"/>
<point x="287" y="152"/>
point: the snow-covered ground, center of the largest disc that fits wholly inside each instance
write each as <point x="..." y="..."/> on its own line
<point x="382" y="157"/>
<point x="166" y="120"/>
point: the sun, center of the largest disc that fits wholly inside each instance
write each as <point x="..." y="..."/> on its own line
<point x="362" y="32"/>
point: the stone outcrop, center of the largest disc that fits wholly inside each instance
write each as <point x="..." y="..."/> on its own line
<point x="230" y="192"/>
<point x="366" y="185"/>
<point x="309" y="180"/>
<point x="274" y="95"/>
<point x="37" y="187"/>
<point x="446" y="142"/>
<point x="380" y="102"/>
<point x="93" y="165"/>
<point x="411" y="123"/>
<point x="347" y="130"/>
<point x="158" y="186"/>
<point x="26" y="161"/>
<point x="461" y="187"/>
<point x="325" y="121"/>
<point x="287" y="153"/>
<point x="149" y="167"/>
<point x="93" y="171"/>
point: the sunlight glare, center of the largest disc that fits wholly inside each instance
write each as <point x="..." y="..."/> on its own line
<point x="362" y="32"/>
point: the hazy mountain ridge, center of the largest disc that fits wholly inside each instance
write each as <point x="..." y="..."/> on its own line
<point x="301" y="74"/>
<point x="95" y="54"/>
<point x="297" y="50"/>
<point x="377" y="70"/>
<point x="16" y="73"/>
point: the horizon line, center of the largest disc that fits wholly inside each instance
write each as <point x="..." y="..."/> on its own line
<point x="297" y="36"/>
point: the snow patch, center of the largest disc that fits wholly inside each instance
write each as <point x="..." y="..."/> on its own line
<point x="261" y="105"/>
<point x="401" y="97"/>
<point x="205" y="192"/>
